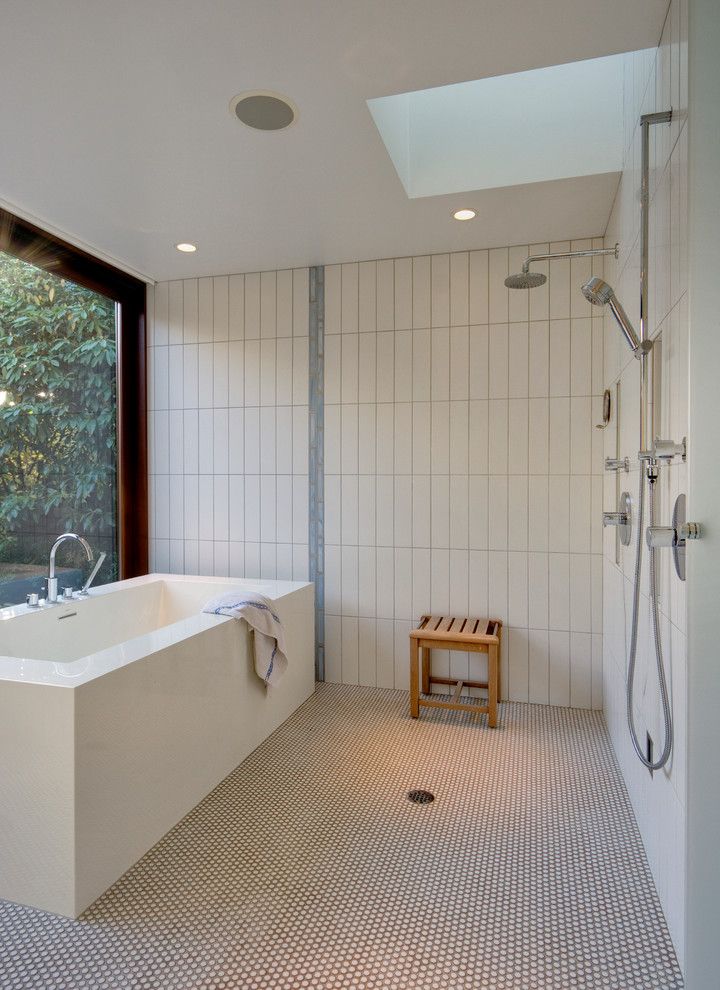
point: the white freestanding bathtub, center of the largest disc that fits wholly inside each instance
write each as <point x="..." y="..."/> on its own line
<point x="118" y="713"/>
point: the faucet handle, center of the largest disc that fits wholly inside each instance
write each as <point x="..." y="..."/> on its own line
<point x="67" y="594"/>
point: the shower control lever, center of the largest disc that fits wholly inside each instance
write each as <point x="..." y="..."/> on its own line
<point x="617" y="463"/>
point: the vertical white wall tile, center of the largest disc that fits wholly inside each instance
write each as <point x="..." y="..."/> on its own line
<point x="421" y="314"/>
<point x="539" y="359"/>
<point x="459" y="289"/>
<point x="386" y="295"/>
<point x="459" y="362"/>
<point x="518" y="299"/>
<point x="498" y="270"/>
<point x="479" y="349"/>
<point x="440" y="290"/>
<point x="160" y="315"/>
<point x="498" y="361"/>
<point x="236" y="312"/>
<point x="301" y="301"/>
<point x="221" y="308"/>
<point x="479" y="288"/>
<point x="190" y="310"/>
<point x="559" y="667"/>
<point x="403" y="303"/>
<point x="517" y="649"/>
<point x="268" y="304"/>
<point x="385" y="356"/>
<point x="333" y="299"/>
<point x="252" y="310"/>
<point x="350" y="301"/>
<point x="284" y="303"/>
<point x="538" y="666"/>
<point x="367" y="296"/>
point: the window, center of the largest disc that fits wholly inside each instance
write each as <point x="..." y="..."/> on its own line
<point x="72" y="413"/>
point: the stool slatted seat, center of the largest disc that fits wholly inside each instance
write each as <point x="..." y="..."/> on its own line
<point x="451" y="632"/>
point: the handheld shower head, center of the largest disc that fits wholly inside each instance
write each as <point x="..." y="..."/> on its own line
<point x="525" y="280"/>
<point x="599" y="293"/>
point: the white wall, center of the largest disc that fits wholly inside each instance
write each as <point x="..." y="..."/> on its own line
<point x="653" y="82"/>
<point x="228" y="425"/>
<point x="463" y="470"/>
<point x="703" y="790"/>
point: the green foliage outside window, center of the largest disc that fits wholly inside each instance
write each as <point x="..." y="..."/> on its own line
<point x="57" y="413"/>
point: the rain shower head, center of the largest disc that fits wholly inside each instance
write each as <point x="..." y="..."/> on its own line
<point x="599" y="293"/>
<point x="525" y="280"/>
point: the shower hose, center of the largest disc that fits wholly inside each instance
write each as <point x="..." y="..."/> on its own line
<point x="664" y="696"/>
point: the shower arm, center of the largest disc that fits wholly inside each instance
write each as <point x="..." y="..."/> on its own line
<point x="590" y="253"/>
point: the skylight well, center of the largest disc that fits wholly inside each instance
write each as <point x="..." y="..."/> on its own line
<point x="552" y="123"/>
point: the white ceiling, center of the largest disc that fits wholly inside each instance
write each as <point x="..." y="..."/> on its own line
<point x="116" y="129"/>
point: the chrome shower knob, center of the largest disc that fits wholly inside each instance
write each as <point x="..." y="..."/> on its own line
<point x="690" y="531"/>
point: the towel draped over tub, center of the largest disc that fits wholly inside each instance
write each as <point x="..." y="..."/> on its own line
<point x="268" y="632"/>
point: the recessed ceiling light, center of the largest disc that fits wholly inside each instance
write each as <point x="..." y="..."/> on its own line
<point x="263" y="110"/>
<point x="187" y="248"/>
<point x="464" y="214"/>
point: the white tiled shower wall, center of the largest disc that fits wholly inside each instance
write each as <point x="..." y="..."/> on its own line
<point x="654" y="81"/>
<point x="228" y="425"/>
<point x="462" y="468"/>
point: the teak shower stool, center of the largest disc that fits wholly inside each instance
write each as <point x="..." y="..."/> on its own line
<point x="449" y="632"/>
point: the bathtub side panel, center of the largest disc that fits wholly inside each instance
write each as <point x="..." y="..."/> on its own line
<point x="154" y="737"/>
<point x="37" y="796"/>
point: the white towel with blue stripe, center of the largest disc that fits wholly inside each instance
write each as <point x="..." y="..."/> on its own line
<point x="268" y="632"/>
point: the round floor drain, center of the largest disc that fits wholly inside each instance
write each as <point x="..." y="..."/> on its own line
<point x="420" y="797"/>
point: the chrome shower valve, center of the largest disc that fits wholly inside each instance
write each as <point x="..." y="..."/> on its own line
<point x="622" y="518"/>
<point x="666" y="450"/>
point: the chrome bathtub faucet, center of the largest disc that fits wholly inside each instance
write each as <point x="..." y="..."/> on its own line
<point x="52" y="584"/>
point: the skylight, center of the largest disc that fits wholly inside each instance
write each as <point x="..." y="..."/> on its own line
<point x="552" y="123"/>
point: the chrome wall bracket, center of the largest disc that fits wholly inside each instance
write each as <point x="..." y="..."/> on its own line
<point x="617" y="464"/>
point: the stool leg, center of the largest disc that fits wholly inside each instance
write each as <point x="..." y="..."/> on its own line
<point x="425" y="653"/>
<point x="499" y="663"/>
<point x="414" y="678"/>
<point x="493" y="683"/>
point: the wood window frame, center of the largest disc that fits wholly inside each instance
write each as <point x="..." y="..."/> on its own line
<point x="29" y="243"/>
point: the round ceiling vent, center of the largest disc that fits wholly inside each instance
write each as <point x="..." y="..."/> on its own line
<point x="263" y="110"/>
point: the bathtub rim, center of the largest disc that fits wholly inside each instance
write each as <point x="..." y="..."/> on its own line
<point x="70" y="674"/>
